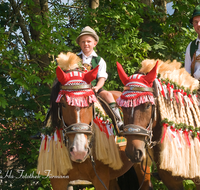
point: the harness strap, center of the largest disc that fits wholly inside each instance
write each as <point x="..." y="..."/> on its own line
<point x="76" y="87"/>
<point x="131" y="129"/>
<point x="93" y="165"/>
<point x="143" y="89"/>
<point x="78" y="128"/>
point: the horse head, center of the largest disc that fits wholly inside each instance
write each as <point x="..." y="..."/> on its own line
<point x="75" y="110"/>
<point x="138" y="106"/>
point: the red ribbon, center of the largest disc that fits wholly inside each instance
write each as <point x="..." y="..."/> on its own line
<point x="198" y="136"/>
<point x="59" y="136"/>
<point x="105" y="130"/>
<point x="45" y="143"/>
<point x="168" y="88"/>
<point x="181" y="91"/>
<point x="190" y="97"/>
<point x="184" y="93"/>
<point x="102" y="125"/>
<point x="175" y="95"/>
<point x="186" y="137"/>
<point x="162" y="91"/>
<point x="97" y="121"/>
<point x="173" y="129"/>
<point x="165" y="130"/>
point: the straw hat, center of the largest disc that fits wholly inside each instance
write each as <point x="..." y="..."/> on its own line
<point x="88" y="31"/>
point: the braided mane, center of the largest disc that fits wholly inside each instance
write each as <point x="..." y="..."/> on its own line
<point x="180" y="118"/>
<point x="172" y="71"/>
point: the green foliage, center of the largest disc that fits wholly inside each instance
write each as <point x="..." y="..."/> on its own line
<point x="189" y="185"/>
<point x="30" y="41"/>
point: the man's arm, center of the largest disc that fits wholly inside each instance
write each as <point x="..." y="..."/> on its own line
<point x="100" y="84"/>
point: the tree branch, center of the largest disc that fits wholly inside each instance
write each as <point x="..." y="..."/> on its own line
<point x="21" y="21"/>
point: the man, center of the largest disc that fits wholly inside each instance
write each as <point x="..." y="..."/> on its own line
<point x="192" y="56"/>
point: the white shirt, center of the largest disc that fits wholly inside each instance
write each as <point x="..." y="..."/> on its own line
<point x="188" y="61"/>
<point x="102" y="64"/>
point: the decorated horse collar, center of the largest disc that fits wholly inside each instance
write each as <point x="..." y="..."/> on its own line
<point x="142" y="89"/>
<point x="76" y="87"/>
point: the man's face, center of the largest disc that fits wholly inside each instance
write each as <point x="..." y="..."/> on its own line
<point x="196" y="24"/>
<point x="87" y="43"/>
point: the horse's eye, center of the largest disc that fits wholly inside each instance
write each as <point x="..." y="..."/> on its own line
<point x="148" y="106"/>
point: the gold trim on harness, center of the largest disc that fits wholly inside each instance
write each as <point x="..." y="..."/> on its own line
<point x="76" y="87"/>
<point x="143" y="89"/>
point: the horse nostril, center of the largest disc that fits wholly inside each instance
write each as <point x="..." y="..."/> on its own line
<point x="138" y="155"/>
<point x="71" y="149"/>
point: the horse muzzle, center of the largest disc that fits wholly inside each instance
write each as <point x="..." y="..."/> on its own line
<point x="135" y="156"/>
<point x="79" y="156"/>
<point x="79" y="149"/>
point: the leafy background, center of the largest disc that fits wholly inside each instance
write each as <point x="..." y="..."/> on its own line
<point x="34" y="32"/>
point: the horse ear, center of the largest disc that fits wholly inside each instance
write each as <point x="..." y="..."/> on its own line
<point x="91" y="75"/>
<point x="62" y="77"/>
<point x="150" y="77"/>
<point x="122" y="75"/>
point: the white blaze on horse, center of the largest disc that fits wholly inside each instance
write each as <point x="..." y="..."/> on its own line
<point x="162" y="115"/>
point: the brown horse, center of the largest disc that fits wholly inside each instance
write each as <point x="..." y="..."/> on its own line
<point x="142" y="123"/>
<point x="74" y="113"/>
<point x="85" y="168"/>
<point x="144" y="178"/>
<point x="69" y="152"/>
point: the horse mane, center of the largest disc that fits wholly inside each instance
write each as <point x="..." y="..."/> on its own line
<point x="172" y="71"/>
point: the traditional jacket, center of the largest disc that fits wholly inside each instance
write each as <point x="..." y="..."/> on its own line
<point x="192" y="48"/>
<point x="91" y="62"/>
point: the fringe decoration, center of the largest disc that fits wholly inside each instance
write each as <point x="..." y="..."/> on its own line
<point x="106" y="150"/>
<point x="77" y="98"/>
<point x="180" y="144"/>
<point x="135" y="102"/>
<point x="53" y="157"/>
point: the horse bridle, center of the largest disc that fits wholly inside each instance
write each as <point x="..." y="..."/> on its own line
<point x="132" y="129"/>
<point x="80" y="127"/>
<point x="77" y="127"/>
